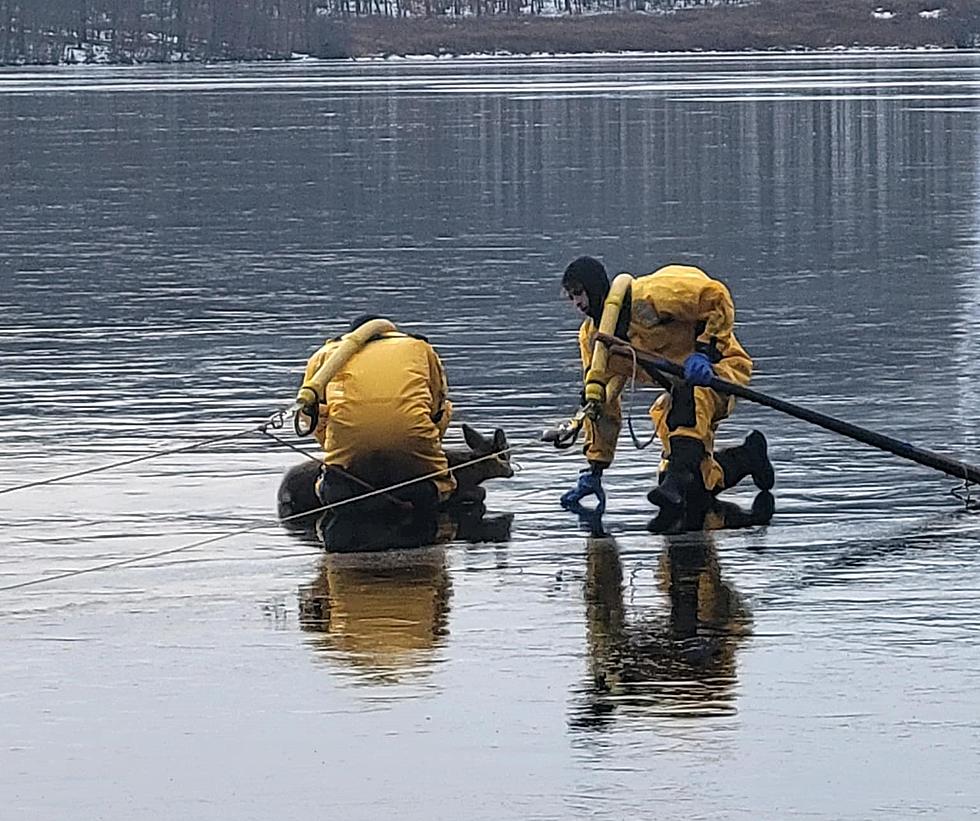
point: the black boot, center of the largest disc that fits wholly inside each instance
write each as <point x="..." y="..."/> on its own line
<point x="682" y="474"/>
<point x="751" y="458"/>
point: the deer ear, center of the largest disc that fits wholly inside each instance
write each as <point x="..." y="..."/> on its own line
<point x="499" y="439"/>
<point x="473" y="439"/>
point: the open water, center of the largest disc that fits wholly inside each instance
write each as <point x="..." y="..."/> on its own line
<point x="174" y="242"/>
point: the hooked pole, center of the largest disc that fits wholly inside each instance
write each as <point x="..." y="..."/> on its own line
<point x="936" y="461"/>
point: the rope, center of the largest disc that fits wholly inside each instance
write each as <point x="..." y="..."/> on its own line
<point x="963" y="495"/>
<point x="122" y="562"/>
<point x="130" y="461"/>
<point x="276" y="421"/>
<point x="629" y="409"/>
<point x="212" y="539"/>
<point x="289" y="445"/>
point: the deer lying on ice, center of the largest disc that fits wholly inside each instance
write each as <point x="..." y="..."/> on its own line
<point x="297" y="493"/>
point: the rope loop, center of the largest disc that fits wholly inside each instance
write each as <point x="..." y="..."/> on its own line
<point x="629" y="409"/>
<point x="963" y="494"/>
<point x="277" y="421"/>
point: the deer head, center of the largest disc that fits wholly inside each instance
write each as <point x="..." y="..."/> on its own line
<point x="480" y="445"/>
<point x="499" y="466"/>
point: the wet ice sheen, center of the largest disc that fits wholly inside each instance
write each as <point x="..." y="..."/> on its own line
<point x="176" y="241"/>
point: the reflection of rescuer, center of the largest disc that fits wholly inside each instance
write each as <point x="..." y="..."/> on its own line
<point x="680" y="314"/>
<point x="644" y="660"/>
<point x="384" y="612"/>
<point x="381" y="413"/>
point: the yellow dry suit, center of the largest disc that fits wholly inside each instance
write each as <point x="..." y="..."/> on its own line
<point x="389" y="397"/>
<point x="673" y="312"/>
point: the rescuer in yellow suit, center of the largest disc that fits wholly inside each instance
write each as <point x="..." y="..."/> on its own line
<point x="383" y="415"/>
<point x="680" y="314"/>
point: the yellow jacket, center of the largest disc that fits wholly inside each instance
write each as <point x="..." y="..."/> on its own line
<point x="390" y="396"/>
<point x="675" y="311"/>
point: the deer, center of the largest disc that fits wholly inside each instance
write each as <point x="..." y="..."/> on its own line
<point x="494" y="456"/>
<point x="297" y="493"/>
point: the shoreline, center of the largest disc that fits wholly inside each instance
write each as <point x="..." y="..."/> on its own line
<point x="754" y="54"/>
<point x="775" y="53"/>
<point x="765" y="26"/>
<point x="768" y="25"/>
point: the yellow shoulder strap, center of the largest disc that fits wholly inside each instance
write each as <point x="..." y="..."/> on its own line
<point x="596" y="377"/>
<point x="314" y="388"/>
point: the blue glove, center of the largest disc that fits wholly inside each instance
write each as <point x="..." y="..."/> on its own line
<point x="589" y="484"/>
<point x="697" y="370"/>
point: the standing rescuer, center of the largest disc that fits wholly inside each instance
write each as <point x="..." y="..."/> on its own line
<point x="680" y="314"/>
<point x="382" y="409"/>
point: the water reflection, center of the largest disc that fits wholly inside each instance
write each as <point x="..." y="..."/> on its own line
<point x="384" y="610"/>
<point x="681" y="662"/>
<point x="204" y="240"/>
<point x="382" y="613"/>
<point x="255" y="212"/>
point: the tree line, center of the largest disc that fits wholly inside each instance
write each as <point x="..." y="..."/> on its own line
<point x="54" y="31"/>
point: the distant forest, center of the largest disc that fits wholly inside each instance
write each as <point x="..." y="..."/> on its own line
<point x="119" y="31"/>
<point x="130" y="31"/>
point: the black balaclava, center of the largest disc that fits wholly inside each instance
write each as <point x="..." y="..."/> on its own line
<point x="357" y="322"/>
<point x="591" y="275"/>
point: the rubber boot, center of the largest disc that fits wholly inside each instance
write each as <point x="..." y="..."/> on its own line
<point x="423" y="496"/>
<point x="683" y="473"/>
<point x="339" y="485"/>
<point x="751" y="458"/>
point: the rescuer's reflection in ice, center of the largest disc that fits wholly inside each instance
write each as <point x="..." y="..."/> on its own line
<point x="383" y="614"/>
<point x="383" y="611"/>
<point x="671" y="654"/>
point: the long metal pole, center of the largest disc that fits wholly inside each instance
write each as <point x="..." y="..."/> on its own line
<point x="951" y="467"/>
